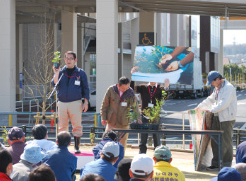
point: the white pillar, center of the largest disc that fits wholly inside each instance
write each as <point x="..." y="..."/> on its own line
<point x="134" y="35"/>
<point x="8" y="56"/>
<point x="107" y="46"/>
<point x="68" y="32"/>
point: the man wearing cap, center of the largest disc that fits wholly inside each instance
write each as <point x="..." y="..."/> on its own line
<point x="226" y="174"/>
<point x="107" y="137"/>
<point x="29" y="159"/>
<point x="141" y="168"/>
<point x="104" y="166"/>
<point x="16" y="138"/>
<point x="163" y="169"/>
<point x="223" y="104"/>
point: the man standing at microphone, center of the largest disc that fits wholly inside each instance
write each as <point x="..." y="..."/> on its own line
<point x="72" y="87"/>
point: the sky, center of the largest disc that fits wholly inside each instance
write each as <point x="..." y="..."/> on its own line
<point x="239" y="36"/>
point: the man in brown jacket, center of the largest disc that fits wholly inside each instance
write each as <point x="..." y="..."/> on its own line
<point x="116" y="104"/>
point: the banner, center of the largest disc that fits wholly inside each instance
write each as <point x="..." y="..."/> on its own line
<point x="158" y="63"/>
<point x="201" y="143"/>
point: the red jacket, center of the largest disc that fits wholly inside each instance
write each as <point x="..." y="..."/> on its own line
<point x="4" y="177"/>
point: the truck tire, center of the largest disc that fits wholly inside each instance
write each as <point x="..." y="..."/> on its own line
<point x="194" y="95"/>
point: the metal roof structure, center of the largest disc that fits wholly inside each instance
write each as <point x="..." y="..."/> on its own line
<point x="26" y="9"/>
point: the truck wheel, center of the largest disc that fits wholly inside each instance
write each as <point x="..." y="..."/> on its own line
<point x="202" y="94"/>
<point x="194" y="95"/>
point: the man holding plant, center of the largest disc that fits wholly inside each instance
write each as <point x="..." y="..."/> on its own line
<point x="150" y="94"/>
<point x="72" y="87"/>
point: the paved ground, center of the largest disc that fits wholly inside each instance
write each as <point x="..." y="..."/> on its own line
<point x="182" y="160"/>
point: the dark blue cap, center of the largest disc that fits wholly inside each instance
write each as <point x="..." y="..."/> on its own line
<point x="228" y="174"/>
<point x="211" y="76"/>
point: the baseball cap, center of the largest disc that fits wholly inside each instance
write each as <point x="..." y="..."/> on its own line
<point x="142" y="165"/>
<point x="122" y="173"/>
<point x="211" y="76"/>
<point x="111" y="147"/>
<point x="162" y="153"/>
<point x="228" y="173"/>
<point x="15" y="133"/>
<point x="32" y="153"/>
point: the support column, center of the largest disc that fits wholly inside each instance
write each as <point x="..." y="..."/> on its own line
<point x="19" y="61"/>
<point x="220" y="61"/>
<point x="68" y="32"/>
<point x="107" y="47"/>
<point x="80" y="46"/>
<point x="120" y="46"/>
<point x="134" y="35"/>
<point x="8" y="53"/>
<point x="147" y="23"/>
<point x="174" y="30"/>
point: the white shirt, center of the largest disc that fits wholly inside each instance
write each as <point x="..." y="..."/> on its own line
<point x="44" y="144"/>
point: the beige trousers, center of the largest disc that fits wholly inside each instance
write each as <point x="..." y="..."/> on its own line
<point x="72" y="111"/>
<point x="123" y="140"/>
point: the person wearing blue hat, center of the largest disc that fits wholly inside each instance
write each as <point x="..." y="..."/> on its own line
<point x="30" y="158"/>
<point x="223" y="104"/>
<point x="228" y="174"/>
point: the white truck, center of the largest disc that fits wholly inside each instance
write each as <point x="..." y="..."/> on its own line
<point x="195" y="88"/>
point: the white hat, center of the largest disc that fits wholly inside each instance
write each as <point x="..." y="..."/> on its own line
<point x="142" y="164"/>
<point x="111" y="147"/>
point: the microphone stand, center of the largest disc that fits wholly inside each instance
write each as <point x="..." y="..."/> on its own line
<point x="56" y="100"/>
<point x="56" y="85"/>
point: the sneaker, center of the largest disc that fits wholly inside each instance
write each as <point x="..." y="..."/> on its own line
<point x="212" y="168"/>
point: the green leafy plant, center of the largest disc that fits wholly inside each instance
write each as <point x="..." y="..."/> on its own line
<point x="153" y="113"/>
<point x="57" y="56"/>
<point x="132" y="114"/>
<point x="5" y="135"/>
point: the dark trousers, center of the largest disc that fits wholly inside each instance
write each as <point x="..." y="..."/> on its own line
<point x="227" y="144"/>
<point x="144" y="138"/>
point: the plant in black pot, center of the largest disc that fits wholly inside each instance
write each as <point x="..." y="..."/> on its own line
<point x="153" y="113"/>
<point x="56" y="59"/>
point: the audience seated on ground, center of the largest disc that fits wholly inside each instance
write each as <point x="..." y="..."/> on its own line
<point x="6" y="165"/>
<point x="42" y="173"/>
<point x="60" y="160"/>
<point x="228" y="174"/>
<point x="40" y="135"/>
<point x="241" y="153"/>
<point x="241" y="168"/>
<point x="141" y="168"/>
<point x="122" y="173"/>
<point x="92" y="177"/>
<point x="163" y="168"/>
<point x="16" y="139"/>
<point x="104" y="166"/>
<point x="29" y="159"/>
<point x="109" y="136"/>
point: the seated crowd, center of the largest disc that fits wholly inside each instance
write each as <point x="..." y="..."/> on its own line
<point x="41" y="159"/>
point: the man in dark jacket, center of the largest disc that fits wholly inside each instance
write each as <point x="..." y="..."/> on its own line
<point x="73" y="86"/>
<point x="60" y="160"/>
<point x="16" y="139"/>
<point x="149" y="94"/>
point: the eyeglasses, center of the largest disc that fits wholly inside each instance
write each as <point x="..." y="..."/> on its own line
<point x="69" y="58"/>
